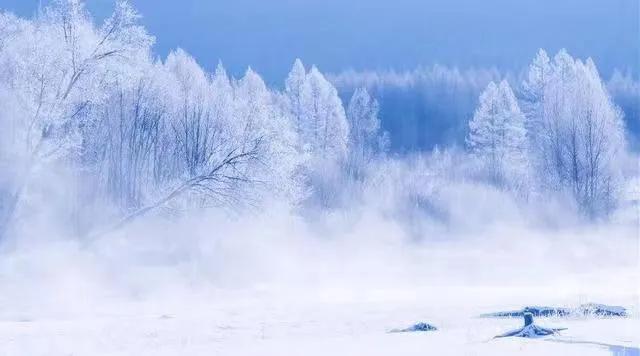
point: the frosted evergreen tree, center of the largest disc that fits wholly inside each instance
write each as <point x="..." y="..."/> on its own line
<point x="222" y="102"/>
<point x="323" y="131"/>
<point x="318" y="114"/>
<point x="532" y="93"/>
<point x="365" y="137"/>
<point x="497" y="136"/>
<point x="325" y="127"/>
<point x="294" y="88"/>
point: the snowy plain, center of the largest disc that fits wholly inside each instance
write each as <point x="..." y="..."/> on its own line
<point x="254" y="326"/>
<point x="294" y="293"/>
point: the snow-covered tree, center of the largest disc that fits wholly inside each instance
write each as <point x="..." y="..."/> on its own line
<point x="56" y="69"/>
<point x="294" y="89"/>
<point x="262" y="122"/>
<point x="126" y="147"/>
<point x="625" y="92"/>
<point x="497" y="136"/>
<point x="193" y="125"/>
<point x="366" y="140"/>
<point x="225" y="142"/>
<point x="137" y="134"/>
<point x="324" y="128"/>
<point x="532" y="92"/>
<point x="323" y="131"/>
<point x="580" y="141"/>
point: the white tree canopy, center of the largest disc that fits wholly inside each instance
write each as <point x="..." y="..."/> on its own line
<point x="366" y="140"/>
<point x="497" y="135"/>
<point x="579" y="132"/>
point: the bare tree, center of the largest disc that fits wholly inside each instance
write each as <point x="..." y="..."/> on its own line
<point x="58" y="62"/>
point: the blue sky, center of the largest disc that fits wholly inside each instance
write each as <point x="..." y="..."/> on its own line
<point x="381" y="34"/>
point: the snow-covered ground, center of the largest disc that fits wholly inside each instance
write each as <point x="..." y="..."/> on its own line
<point x="322" y="320"/>
<point x="330" y="324"/>
<point x="279" y="294"/>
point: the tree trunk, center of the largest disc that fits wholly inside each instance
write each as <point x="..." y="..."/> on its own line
<point x="528" y="319"/>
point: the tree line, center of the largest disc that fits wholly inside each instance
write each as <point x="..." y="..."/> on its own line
<point x="140" y="133"/>
<point x="564" y="134"/>
<point x="132" y="134"/>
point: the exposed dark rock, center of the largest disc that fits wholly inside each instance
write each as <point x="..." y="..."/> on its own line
<point x="534" y="310"/>
<point x="603" y="310"/>
<point x="415" y="327"/>
<point x="590" y="309"/>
